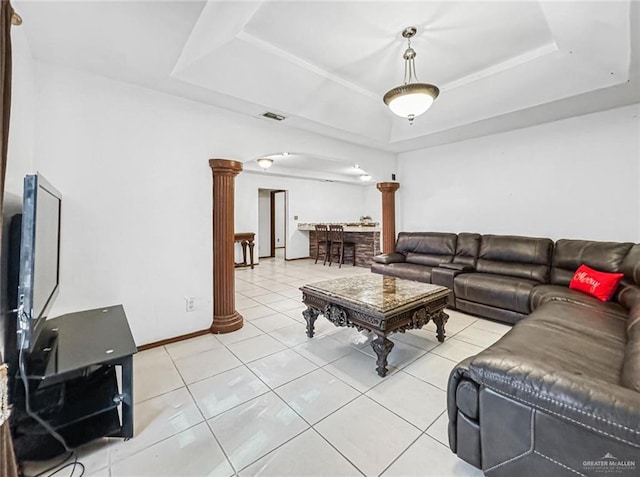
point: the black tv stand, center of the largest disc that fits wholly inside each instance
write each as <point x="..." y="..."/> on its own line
<point x="73" y="383"/>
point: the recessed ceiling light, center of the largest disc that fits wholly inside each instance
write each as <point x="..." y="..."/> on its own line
<point x="357" y="166"/>
<point x="265" y="162"/>
<point x="285" y="154"/>
<point x="365" y="177"/>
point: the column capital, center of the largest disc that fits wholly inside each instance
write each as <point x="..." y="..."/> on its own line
<point x="388" y="186"/>
<point x="225" y="166"/>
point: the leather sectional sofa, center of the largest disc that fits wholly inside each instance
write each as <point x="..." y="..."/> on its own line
<point x="559" y="394"/>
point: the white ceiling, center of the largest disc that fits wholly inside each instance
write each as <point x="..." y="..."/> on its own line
<point x="312" y="166"/>
<point x="325" y="65"/>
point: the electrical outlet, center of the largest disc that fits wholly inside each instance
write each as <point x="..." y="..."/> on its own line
<point x="191" y="303"/>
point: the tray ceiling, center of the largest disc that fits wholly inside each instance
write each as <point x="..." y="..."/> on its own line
<point x="325" y="65"/>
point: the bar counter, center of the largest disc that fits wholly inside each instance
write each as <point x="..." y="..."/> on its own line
<point x="366" y="237"/>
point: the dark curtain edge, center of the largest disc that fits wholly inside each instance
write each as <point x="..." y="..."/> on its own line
<point x="8" y="466"/>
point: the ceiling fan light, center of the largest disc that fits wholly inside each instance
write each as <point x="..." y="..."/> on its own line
<point x="411" y="100"/>
<point x="265" y="162"/>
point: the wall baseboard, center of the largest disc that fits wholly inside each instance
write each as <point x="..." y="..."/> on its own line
<point x="175" y="339"/>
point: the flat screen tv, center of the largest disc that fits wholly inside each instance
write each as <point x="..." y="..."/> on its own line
<point x="39" y="266"/>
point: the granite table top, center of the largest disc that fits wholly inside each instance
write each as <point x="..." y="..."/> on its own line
<point x="378" y="293"/>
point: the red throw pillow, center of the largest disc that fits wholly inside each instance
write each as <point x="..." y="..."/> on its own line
<point x="601" y="285"/>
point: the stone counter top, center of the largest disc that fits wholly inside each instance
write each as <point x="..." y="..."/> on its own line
<point x="348" y="226"/>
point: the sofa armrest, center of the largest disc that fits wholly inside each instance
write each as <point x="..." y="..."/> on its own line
<point x="458" y="374"/>
<point x="387" y="258"/>
<point x="457" y="266"/>
<point x="607" y="409"/>
<point x="443" y="275"/>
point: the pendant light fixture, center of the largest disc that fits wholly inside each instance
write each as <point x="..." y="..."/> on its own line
<point x="412" y="98"/>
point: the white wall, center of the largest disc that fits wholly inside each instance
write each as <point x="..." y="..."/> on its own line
<point x="576" y="178"/>
<point x="22" y="123"/>
<point x="372" y="203"/>
<point x="19" y="155"/>
<point x="310" y="200"/>
<point x="264" y="223"/>
<point x="132" y="166"/>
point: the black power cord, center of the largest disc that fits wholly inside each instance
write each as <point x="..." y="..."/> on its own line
<point x="73" y="465"/>
<point x="42" y="422"/>
<point x="45" y="471"/>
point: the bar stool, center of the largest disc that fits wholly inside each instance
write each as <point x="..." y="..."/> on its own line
<point x="322" y="238"/>
<point x="336" y="236"/>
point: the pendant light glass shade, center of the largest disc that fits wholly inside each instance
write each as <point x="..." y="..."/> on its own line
<point x="411" y="99"/>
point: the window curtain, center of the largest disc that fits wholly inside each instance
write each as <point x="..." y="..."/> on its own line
<point x="7" y="458"/>
<point x="6" y="12"/>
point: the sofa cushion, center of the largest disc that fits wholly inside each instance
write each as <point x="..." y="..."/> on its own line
<point x="427" y="248"/>
<point x="430" y="260"/>
<point x="520" y="257"/>
<point x="597" y="324"/>
<point x="491" y="312"/>
<point x="601" y="285"/>
<point x="467" y="249"/>
<point x="631" y="264"/>
<point x="568" y="255"/>
<point x="495" y="290"/>
<point x="542" y="294"/>
<point x="408" y="271"/>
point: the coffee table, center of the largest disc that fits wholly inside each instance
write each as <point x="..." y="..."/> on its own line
<point x="377" y="303"/>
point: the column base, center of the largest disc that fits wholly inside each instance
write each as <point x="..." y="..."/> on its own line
<point x="227" y="323"/>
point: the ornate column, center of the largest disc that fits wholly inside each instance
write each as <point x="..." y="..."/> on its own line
<point x="225" y="316"/>
<point x="388" y="190"/>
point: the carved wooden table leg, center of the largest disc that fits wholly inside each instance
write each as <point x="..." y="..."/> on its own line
<point x="310" y="315"/>
<point x="251" y="246"/>
<point x="244" y="252"/>
<point x="440" y="319"/>
<point x="382" y="346"/>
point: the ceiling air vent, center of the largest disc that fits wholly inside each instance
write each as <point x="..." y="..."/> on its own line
<point x="274" y="116"/>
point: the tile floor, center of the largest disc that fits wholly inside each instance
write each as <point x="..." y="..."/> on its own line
<point x="266" y="400"/>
